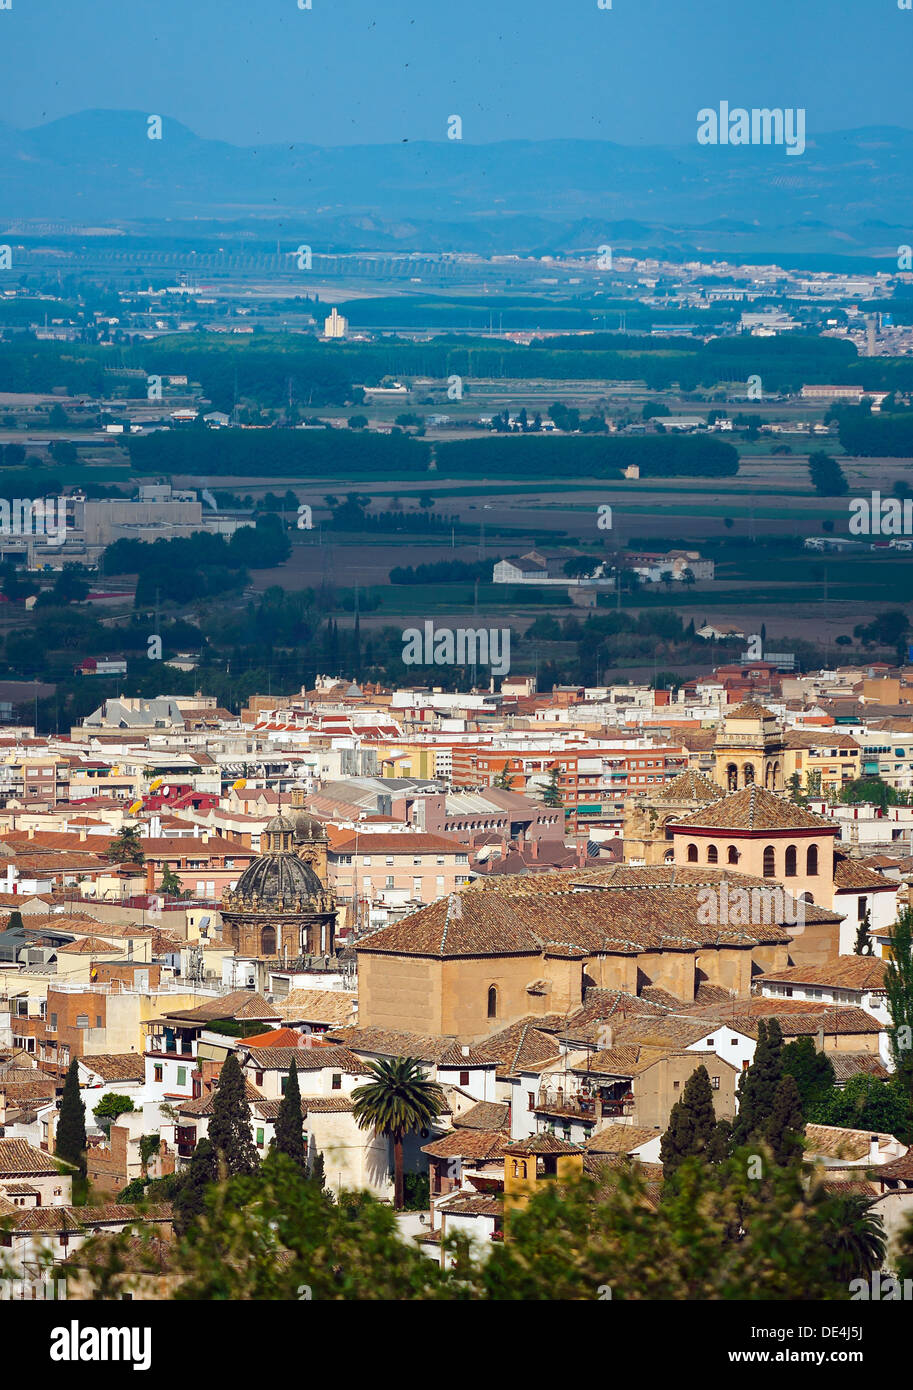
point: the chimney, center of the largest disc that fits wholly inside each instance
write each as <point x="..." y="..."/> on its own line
<point x="31" y="832"/>
<point x="873" y="1148"/>
<point x="150" y="876"/>
<point x="465" y="1050"/>
<point x="534" y="849"/>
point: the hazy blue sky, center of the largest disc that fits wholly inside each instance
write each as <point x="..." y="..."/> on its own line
<point x="353" y="71"/>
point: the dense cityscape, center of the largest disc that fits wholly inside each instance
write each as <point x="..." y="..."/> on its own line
<point x="456" y="675"/>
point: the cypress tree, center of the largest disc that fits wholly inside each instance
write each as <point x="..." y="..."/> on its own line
<point x="863" y="946"/>
<point x="691" y="1123"/>
<point x="71" y="1123"/>
<point x="758" y="1085"/>
<point x="813" y="1071"/>
<point x="289" y="1124"/>
<point x="720" y="1142"/>
<point x="317" y="1173"/>
<point x="188" y="1204"/>
<point x="898" y="981"/>
<point x="229" y="1129"/>
<point x="783" y="1130"/>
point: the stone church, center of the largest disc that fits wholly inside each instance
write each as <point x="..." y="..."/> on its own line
<point x="748" y="750"/>
<point x="281" y="908"/>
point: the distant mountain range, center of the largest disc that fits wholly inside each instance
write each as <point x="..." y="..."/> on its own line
<point x="851" y="192"/>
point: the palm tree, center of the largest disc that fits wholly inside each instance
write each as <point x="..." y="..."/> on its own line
<point x="854" y="1235"/>
<point x="397" y="1100"/>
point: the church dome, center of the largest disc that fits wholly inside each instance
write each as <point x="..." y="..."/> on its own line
<point x="278" y="881"/>
<point x="279" y="825"/>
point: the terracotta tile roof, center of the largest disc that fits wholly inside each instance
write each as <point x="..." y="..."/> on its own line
<point x="116" y="1212"/>
<point x="330" y="1105"/>
<point x="831" y="1141"/>
<point x="277" y="1037"/>
<point x="843" y="972"/>
<point x="469" y="1143"/>
<point x="899" y="1169"/>
<point x="797" y="1017"/>
<point x="306" y="1059"/>
<point x="847" y="1064"/>
<point x="819" y="738"/>
<point x="582" y="924"/>
<point x="485" y="1114"/>
<point x="47" y="1219"/>
<point x="755" y="808"/>
<point x="523" y="1046"/>
<point x="690" y="785"/>
<point x="403" y="842"/>
<point x="331" y="1006"/>
<point x="18" y="1156"/>
<point x="116" y="1066"/>
<point x="269" y="1109"/>
<point x="462" y="1056"/>
<point x="543" y="1144"/>
<point x="90" y="946"/>
<point x="624" y="1060"/>
<point x="203" y="1105"/>
<point x="619" y="1139"/>
<point x="388" y="1042"/>
<point x="465" y="1204"/>
<point x="243" y="1005"/>
<point x="852" y="876"/>
<point x="749" y="709"/>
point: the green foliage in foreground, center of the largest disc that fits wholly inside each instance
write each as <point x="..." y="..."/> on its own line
<point x="716" y="1233"/>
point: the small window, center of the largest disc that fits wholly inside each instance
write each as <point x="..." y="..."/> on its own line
<point x="770" y="862"/>
<point x="732" y="856"/>
<point x="464" y="1078"/>
<point x="790" y="867"/>
<point x="182" y="1076"/>
<point x="259" y="1078"/>
<point x="712" y="854"/>
<point x="692" y="854"/>
<point x="157" y="1072"/>
<point x="260" y="1139"/>
<point x="715" y="1083"/>
<point x="336" y="1083"/>
<point x="811" y="861"/>
<point x="82" y="1020"/>
<point x="492" y="1002"/>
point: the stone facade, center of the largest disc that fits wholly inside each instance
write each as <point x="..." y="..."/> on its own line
<point x="280" y="907"/>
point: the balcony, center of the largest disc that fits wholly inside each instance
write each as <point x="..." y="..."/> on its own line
<point x="584" y="1108"/>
